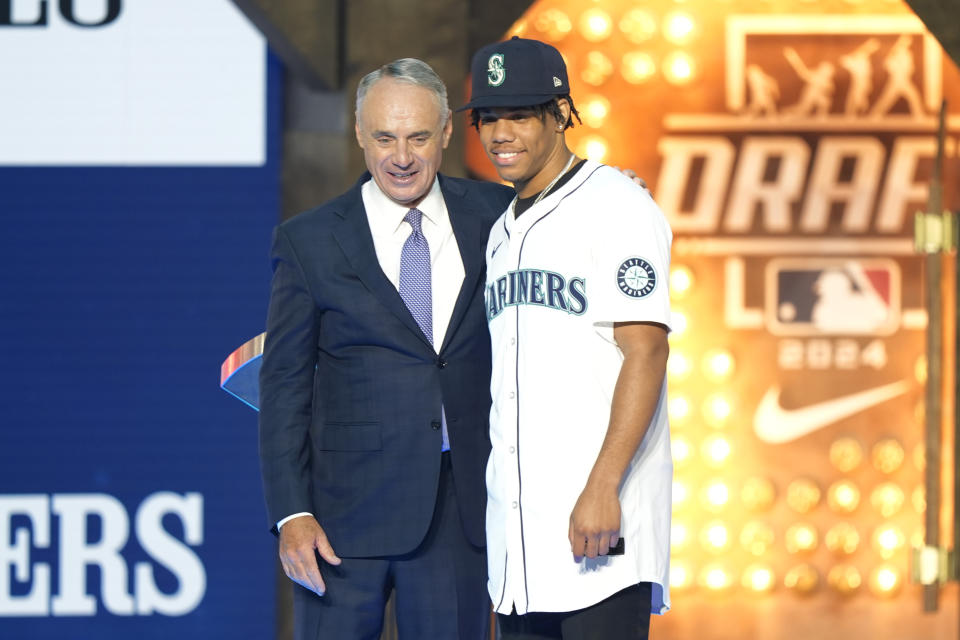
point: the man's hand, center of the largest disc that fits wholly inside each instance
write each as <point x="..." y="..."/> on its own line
<point x="630" y="173"/>
<point x="299" y="539"/>
<point x="595" y="521"/>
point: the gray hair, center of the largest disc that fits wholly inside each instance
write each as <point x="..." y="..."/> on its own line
<point x="411" y="71"/>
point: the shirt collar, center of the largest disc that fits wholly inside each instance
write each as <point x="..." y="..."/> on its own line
<point x="433" y="207"/>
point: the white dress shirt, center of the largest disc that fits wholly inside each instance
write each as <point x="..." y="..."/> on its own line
<point x="390" y="232"/>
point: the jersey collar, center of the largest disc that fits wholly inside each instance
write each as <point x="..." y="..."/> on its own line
<point x="550" y="202"/>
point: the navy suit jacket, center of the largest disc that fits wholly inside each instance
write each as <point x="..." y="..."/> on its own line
<point x="351" y="390"/>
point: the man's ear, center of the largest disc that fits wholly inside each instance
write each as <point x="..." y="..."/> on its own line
<point x="448" y="129"/>
<point x="564" y="105"/>
<point x="356" y="129"/>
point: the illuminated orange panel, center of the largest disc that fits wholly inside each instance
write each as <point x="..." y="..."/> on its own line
<point x="789" y="163"/>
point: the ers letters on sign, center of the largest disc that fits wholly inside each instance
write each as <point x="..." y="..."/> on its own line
<point x="25" y="526"/>
<point x="111" y="12"/>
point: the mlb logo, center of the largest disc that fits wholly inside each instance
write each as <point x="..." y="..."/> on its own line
<point x="832" y="297"/>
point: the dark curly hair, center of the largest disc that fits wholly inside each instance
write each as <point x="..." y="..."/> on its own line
<point x="542" y="110"/>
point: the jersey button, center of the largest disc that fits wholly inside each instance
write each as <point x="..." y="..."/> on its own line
<point x="513" y="449"/>
<point x="514" y="504"/>
<point x="513" y="341"/>
<point x="441" y="363"/>
<point x="435" y="425"/>
<point x="512" y="395"/>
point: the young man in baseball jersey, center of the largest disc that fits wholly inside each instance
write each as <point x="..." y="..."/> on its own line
<point x="579" y="478"/>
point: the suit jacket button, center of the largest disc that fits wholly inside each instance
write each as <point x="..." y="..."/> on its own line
<point x="441" y="363"/>
<point x="435" y="425"/>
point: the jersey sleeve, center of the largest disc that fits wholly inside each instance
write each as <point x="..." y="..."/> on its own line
<point x="631" y="260"/>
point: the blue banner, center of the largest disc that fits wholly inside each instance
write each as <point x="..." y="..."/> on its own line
<point x="130" y="500"/>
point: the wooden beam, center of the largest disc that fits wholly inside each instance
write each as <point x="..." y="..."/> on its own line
<point x="307" y="35"/>
<point x="942" y="18"/>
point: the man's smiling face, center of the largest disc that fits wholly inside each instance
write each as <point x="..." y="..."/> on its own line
<point x="403" y="132"/>
<point x="526" y="146"/>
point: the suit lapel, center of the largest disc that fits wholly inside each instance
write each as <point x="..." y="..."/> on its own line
<point x="467" y="221"/>
<point x="354" y="237"/>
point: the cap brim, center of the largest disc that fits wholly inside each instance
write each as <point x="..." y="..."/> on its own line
<point x="509" y="101"/>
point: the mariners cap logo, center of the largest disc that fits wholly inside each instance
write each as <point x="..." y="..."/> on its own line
<point x="496" y="73"/>
<point x="636" y="278"/>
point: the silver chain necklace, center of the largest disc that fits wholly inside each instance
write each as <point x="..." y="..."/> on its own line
<point x="549" y="186"/>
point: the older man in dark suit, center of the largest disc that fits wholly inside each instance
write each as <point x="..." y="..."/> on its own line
<point x="374" y="388"/>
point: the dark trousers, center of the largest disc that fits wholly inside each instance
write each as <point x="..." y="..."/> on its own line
<point x="440" y="587"/>
<point x="623" y="616"/>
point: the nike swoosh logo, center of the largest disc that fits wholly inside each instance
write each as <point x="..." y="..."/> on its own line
<point x="775" y="425"/>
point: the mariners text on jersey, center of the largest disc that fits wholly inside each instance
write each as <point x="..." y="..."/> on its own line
<point x="536" y="286"/>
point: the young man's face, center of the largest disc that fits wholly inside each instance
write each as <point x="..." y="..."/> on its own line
<point x="403" y="134"/>
<point x="526" y="149"/>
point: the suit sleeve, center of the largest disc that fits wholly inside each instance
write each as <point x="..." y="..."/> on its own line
<point x="286" y="385"/>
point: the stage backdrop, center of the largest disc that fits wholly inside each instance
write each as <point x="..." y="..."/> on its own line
<point x="138" y="187"/>
<point x="789" y="143"/>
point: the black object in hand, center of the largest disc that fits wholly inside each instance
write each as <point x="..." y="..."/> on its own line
<point x="617" y="549"/>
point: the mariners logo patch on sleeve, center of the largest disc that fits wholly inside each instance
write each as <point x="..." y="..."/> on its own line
<point x="636" y="277"/>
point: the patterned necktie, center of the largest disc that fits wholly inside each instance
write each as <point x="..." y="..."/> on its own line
<point x="415" y="287"/>
<point x="415" y="277"/>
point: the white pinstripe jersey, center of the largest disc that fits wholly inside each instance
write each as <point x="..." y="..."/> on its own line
<point x="594" y="252"/>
